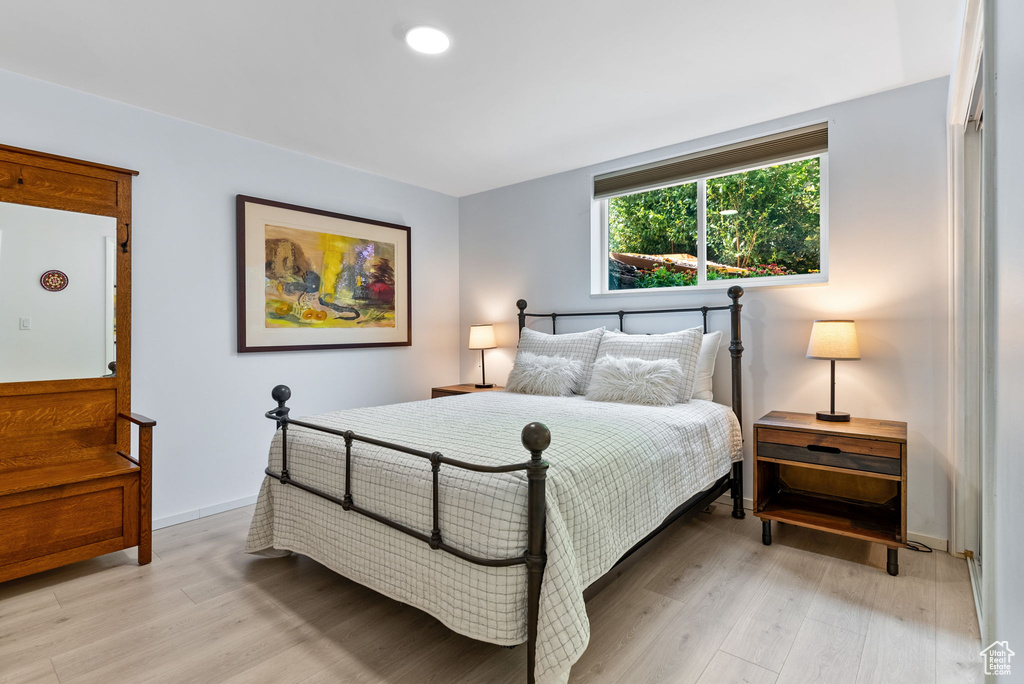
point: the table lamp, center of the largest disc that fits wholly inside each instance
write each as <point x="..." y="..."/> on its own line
<point x="835" y="341"/>
<point x="482" y="337"/>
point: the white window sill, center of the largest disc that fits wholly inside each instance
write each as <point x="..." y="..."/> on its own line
<point x="723" y="285"/>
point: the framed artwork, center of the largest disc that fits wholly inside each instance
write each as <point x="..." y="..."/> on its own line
<point x="312" y="279"/>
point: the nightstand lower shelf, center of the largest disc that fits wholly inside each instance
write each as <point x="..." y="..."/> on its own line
<point x="871" y="522"/>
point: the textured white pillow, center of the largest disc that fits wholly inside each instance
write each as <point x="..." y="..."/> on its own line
<point x="636" y="381"/>
<point x="553" y="376"/>
<point x="706" y="365"/>
<point x="580" y="347"/>
<point x="683" y="345"/>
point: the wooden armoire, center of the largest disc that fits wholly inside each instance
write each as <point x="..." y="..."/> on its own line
<point x="70" y="489"/>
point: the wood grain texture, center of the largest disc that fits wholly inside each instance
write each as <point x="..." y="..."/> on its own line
<point x="452" y="390"/>
<point x="900" y="642"/>
<point x="47" y="527"/>
<point x="59" y="436"/>
<point x="823" y="653"/>
<point x="869" y="465"/>
<point x="852" y="445"/>
<point x="846" y="595"/>
<point x="727" y="669"/>
<point x="828" y="476"/>
<point x="956" y="623"/>
<point x="765" y="632"/>
<point x="40" y="672"/>
<point x="52" y="477"/>
<point x="866" y="428"/>
<point x="204" y="611"/>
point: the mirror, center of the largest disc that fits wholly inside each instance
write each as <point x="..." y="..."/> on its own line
<point x="59" y="286"/>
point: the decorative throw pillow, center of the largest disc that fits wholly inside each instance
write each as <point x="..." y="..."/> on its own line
<point x="553" y="376"/>
<point x="683" y="346"/>
<point x="706" y="365"/>
<point x="636" y="381"/>
<point x="580" y="347"/>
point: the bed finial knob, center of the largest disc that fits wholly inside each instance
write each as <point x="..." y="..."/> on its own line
<point x="281" y="394"/>
<point x="735" y="292"/>
<point x="536" y="438"/>
<point x="521" y="304"/>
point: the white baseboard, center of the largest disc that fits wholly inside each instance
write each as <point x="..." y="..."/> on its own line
<point x="202" y="512"/>
<point x="934" y="542"/>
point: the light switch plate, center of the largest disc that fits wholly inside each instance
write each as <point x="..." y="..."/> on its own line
<point x="25" y="323"/>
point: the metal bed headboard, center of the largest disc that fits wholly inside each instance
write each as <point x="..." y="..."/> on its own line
<point x="735" y="342"/>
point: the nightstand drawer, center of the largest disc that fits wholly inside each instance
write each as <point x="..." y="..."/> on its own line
<point x="852" y="445"/>
<point x="829" y="455"/>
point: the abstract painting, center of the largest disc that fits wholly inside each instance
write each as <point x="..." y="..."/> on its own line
<point x="324" y="281"/>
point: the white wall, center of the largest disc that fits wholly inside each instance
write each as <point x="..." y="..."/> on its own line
<point x="211" y="441"/>
<point x="1003" y="545"/>
<point x="68" y="336"/>
<point x="887" y="160"/>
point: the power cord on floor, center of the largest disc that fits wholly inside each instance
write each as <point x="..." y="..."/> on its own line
<point x="918" y="546"/>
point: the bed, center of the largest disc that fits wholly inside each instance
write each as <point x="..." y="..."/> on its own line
<point x="430" y="503"/>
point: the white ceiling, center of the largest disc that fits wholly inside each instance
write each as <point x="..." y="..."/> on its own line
<point x="529" y="88"/>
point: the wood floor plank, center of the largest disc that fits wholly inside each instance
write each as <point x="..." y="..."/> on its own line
<point x="764" y="634"/>
<point x="70" y="629"/>
<point x="27" y="608"/>
<point x="846" y="596"/>
<point x="218" y="637"/>
<point x="728" y="669"/>
<point x="681" y="652"/>
<point x="957" y="638"/>
<point x="900" y="643"/>
<point x="823" y="654"/>
<point x="39" y="672"/>
<point x="621" y="624"/>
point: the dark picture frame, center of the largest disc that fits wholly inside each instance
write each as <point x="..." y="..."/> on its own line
<point x="285" y="299"/>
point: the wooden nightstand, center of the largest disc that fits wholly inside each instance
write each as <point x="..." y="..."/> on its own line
<point x="847" y="478"/>
<point x="452" y="390"/>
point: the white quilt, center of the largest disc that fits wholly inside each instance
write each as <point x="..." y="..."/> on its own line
<point x="616" y="471"/>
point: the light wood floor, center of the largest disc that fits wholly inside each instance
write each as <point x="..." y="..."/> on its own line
<point x="705" y="603"/>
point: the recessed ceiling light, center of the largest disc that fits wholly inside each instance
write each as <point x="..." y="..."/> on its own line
<point x="427" y="39"/>
<point x="728" y="212"/>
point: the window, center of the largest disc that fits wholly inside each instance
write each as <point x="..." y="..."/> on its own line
<point x="753" y="213"/>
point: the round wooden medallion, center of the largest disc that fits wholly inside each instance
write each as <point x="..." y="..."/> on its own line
<point x="54" y="281"/>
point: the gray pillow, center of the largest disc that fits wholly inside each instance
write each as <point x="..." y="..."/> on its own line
<point x="683" y="346"/>
<point x="635" y="381"/>
<point x="553" y="376"/>
<point x="580" y="347"/>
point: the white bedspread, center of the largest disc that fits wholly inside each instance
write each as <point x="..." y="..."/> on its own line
<point x="616" y="471"/>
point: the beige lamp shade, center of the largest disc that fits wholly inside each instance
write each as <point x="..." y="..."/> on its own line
<point x="482" y="337"/>
<point x="836" y="340"/>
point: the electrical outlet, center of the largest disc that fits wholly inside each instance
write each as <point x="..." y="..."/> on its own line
<point x="25" y="323"/>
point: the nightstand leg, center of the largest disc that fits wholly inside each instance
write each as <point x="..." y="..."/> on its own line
<point x="766" y="532"/>
<point x="892" y="563"/>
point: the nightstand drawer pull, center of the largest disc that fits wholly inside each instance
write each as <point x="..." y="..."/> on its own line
<point x="830" y="456"/>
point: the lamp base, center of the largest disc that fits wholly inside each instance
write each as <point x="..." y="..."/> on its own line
<point x="491" y="384"/>
<point x="837" y="417"/>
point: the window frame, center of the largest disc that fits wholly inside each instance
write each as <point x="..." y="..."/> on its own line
<point x="600" y="248"/>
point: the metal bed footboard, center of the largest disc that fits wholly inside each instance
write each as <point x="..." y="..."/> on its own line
<point x="535" y="437"/>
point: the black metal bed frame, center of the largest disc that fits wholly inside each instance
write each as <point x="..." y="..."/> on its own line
<point x="535" y="437"/>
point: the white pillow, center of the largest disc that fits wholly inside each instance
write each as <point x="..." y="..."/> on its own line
<point x="580" y="347"/>
<point x="636" y="381"/>
<point x="553" y="376"/>
<point x="706" y="365"/>
<point x="683" y="346"/>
